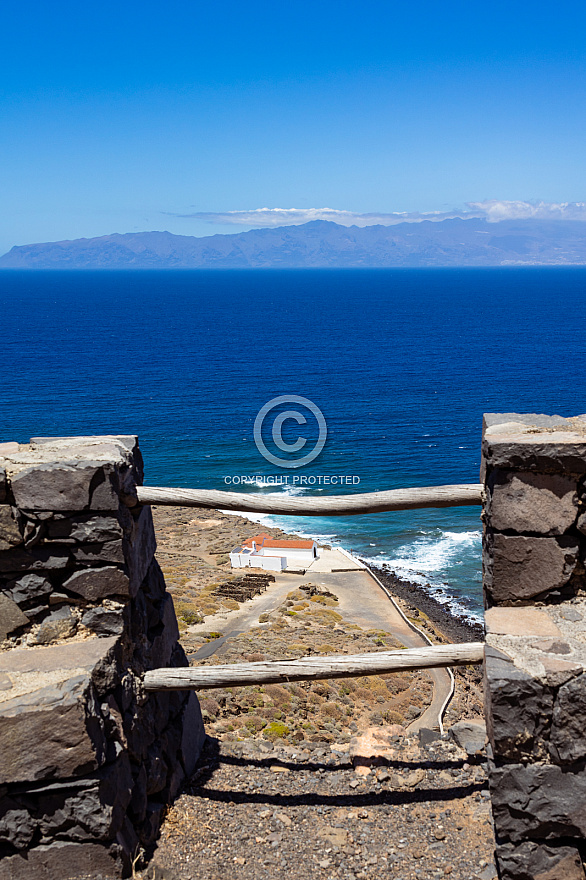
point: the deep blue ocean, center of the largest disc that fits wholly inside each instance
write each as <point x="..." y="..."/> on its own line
<point x="402" y="364"/>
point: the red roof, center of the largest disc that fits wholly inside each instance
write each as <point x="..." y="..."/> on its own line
<point x="258" y="539"/>
<point x="293" y="545"/>
<point x="264" y="540"/>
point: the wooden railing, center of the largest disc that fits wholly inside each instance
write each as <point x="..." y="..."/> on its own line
<point x="334" y="666"/>
<point x="334" y="505"/>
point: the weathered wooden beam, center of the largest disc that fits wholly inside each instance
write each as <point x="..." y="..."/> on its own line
<point x="333" y="505"/>
<point x="334" y="666"/>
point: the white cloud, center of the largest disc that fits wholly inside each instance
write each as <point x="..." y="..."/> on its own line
<point x="495" y="210"/>
<point x="492" y="210"/>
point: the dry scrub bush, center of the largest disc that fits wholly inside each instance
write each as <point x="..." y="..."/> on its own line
<point x="324" y="600"/>
<point x="254" y="723"/>
<point x="210" y="706"/>
<point x="363" y="693"/>
<point x="253" y="699"/>
<point x="391" y="716"/>
<point x="327" y="616"/>
<point x="332" y="710"/>
<point x="346" y="685"/>
<point x="279" y="695"/>
<point x="186" y="613"/>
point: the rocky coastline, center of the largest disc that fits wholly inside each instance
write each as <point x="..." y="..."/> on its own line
<point x="456" y="628"/>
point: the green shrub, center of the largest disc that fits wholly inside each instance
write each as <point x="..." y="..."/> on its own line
<point x="276" y="730"/>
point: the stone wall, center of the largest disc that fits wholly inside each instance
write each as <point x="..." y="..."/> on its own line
<point x="88" y="760"/>
<point x="534" y="469"/>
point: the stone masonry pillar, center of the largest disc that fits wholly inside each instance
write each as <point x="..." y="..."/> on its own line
<point x="88" y="760"/>
<point x="534" y="470"/>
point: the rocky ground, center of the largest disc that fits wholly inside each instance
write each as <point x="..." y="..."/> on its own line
<point x="255" y="810"/>
<point x="315" y="779"/>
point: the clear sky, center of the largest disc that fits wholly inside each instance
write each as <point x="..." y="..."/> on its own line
<point x="128" y="116"/>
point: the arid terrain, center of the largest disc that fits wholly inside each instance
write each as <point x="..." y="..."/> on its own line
<point x="314" y="779"/>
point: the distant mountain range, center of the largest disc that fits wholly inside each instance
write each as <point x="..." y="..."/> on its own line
<point x="321" y="243"/>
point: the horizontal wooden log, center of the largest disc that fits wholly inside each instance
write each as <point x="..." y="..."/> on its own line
<point x="333" y="505"/>
<point x="308" y="668"/>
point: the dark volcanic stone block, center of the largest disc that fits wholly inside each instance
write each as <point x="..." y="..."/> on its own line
<point x="53" y="486"/>
<point x="17" y="826"/>
<point x="60" y="624"/>
<point x="519" y="709"/>
<point x="104" y="621"/>
<point x="38" y="558"/>
<point x="469" y="735"/>
<point x="532" y="860"/>
<point x="9" y="532"/>
<point x="193" y="734"/>
<point x="87" y="528"/>
<point x="3" y="486"/>
<point x="11" y="617"/>
<point x="568" y="730"/>
<point x="61" y="860"/>
<point x="28" y="588"/>
<point x="539" y="801"/>
<point x="542" y="504"/>
<point x="105" y="488"/>
<point x="153" y="585"/>
<point x="139" y="546"/>
<point x="167" y="634"/>
<point x="548" y="444"/>
<point x="111" y="551"/>
<point x="98" y="583"/>
<point x="94" y="809"/>
<point x="46" y="734"/>
<point x="520" y="568"/>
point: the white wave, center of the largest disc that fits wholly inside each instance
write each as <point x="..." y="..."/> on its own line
<point x="291" y="491"/>
<point x="246" y="514"/>
<point x="429" y="560"/>
<point x="456" y="607"/>
<point x="431" y="554"/>
<point x="268" y="519"/>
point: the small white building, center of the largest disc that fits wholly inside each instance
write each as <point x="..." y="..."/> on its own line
<point x="272" y="554"/>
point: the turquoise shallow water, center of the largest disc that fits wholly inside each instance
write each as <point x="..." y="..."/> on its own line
<point x="402" y="363"/>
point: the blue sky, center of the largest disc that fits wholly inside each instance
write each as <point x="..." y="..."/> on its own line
<point x="120" y="117"/>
